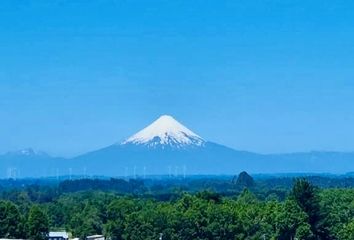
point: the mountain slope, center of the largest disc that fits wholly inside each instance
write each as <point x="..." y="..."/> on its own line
<point x="163" y="147"/>
<point x="118" y="160"/>
<point x="141" y="160"/>
<point x="29" y="163"/>
<point x="168" y="147"/>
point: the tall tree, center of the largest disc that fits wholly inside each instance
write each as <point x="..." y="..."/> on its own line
<point x="305" y="195"/>
<point x="292" y="222"/>
<point x="87" y="222"/>
<point x="38" y="224"/>
<point x="3" y="219"/>
<point x="11" y="224"/>
<point x="116" y="213"/>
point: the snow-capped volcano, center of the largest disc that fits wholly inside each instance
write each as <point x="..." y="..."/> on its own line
<point x="165" y="132"/>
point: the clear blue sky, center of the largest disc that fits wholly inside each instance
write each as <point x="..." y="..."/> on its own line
<point x="265" y="76"/>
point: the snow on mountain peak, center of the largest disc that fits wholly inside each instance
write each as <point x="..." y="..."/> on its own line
<point x="28" y="152"/>
<point x="165" y="131"/>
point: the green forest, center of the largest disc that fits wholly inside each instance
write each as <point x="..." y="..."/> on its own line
<point x="201" y="209"/>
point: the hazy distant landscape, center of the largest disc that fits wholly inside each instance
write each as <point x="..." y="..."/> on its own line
<point x="166" y="147"/>
<point x="176" y="120"/>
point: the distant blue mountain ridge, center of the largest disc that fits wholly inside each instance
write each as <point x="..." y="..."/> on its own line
<point x="166" y="147"/>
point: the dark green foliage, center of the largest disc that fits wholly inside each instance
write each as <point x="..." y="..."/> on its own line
<point x="114" y="184"/>
<point x="86" y="223"/>
<point x="209" y="196"/>
<point x="11" y="222"/>
<point x="38" y="224"/>
<point x="306" y="196"/>
<point x="293" y="222"/>
<point x="304" y="213"/>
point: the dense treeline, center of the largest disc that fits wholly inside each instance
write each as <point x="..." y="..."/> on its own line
<point x="305" y="212"/>
<point x="320" y="181"/>
<point x="217" y="183"/>
<point x="113" y="184"/>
